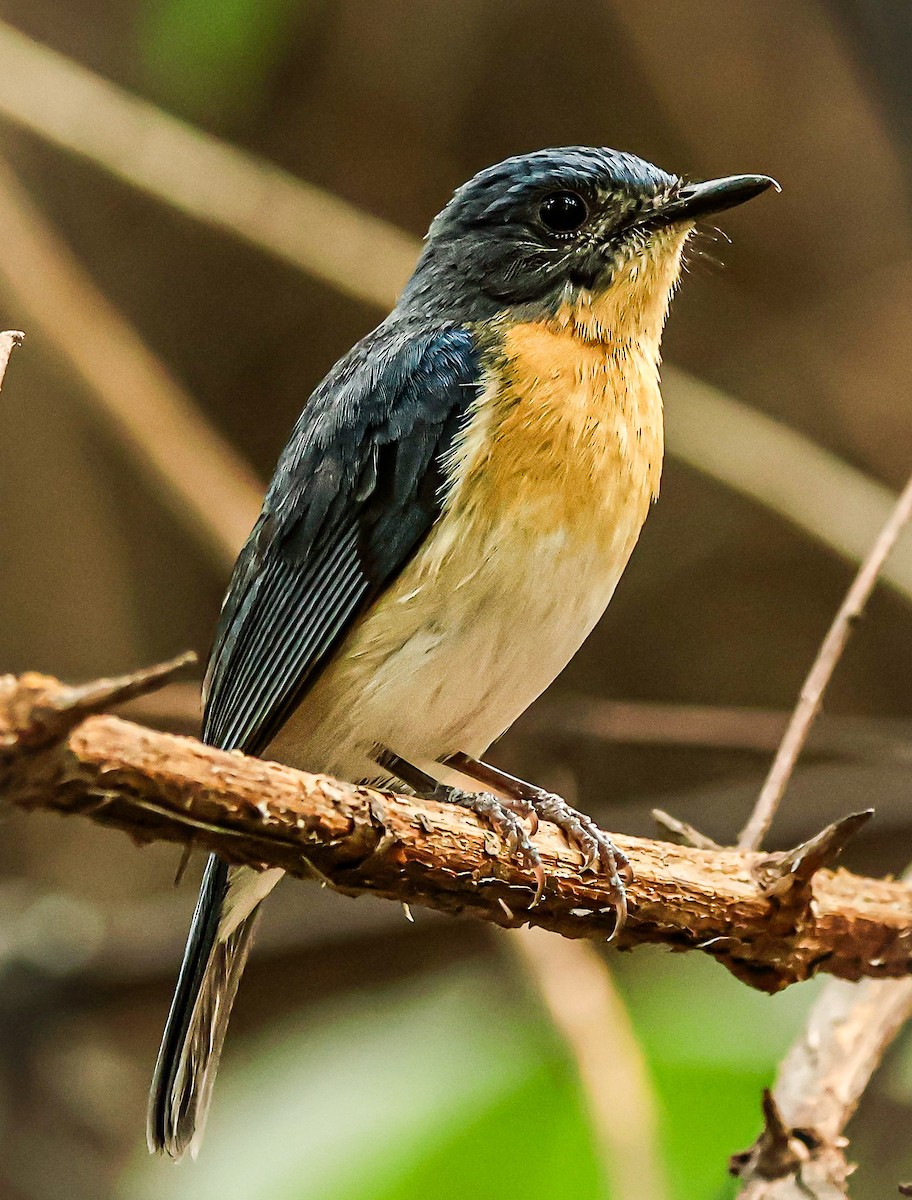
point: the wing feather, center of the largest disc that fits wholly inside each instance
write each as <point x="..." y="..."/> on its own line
<point x="355" y="493"/>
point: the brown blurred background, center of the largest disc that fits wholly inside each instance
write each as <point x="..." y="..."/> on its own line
<point x="422" y="1041"/>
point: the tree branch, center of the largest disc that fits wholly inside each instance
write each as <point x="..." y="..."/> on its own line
<point x="772" y="920"/>
<point x="800" y="1154"/>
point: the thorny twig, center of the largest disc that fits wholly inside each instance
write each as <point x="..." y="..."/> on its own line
<point x="157" y="786"/>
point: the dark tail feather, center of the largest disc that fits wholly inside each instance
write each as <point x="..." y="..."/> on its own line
<point x="196" y="1025"/>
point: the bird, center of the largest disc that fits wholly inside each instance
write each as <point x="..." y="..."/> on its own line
<point x="447" y="523"/>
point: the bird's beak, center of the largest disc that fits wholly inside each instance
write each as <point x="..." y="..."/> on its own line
<point x="695" y="200"/>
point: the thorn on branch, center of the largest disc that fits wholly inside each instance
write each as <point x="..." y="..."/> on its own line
<point x="779" y="1151"/>
<point x="380" y="818"/>
<point x="779" y="873"/>
<point x="37" y="710"/>
<point x="103" y="693"/>
<point x="681" y="833"/>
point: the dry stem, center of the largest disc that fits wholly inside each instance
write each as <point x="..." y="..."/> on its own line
<point x="822" y="671"/>
<point x="9" y="340"/>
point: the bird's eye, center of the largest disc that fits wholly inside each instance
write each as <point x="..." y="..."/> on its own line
<point x="563" y="212"/>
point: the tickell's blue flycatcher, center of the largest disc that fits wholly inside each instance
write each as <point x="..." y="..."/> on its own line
<point x="447" y="523"/>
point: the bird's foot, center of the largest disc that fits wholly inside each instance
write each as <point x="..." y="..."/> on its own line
<point x="503" y="818"/>
<point x="598" y="851"/>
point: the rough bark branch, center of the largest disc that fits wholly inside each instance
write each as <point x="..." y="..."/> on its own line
<point x="801" y="1153"/>
<point x="772" y="920"/>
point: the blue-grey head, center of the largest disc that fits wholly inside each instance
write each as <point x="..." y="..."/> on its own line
<point x="534" y="230"/>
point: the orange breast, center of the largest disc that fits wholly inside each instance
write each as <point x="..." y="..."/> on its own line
<point x="568" y="434"/>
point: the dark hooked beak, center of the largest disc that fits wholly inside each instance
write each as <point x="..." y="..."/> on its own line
<point x="695" y="200"/>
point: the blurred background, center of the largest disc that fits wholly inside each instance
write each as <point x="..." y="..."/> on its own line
<point x="181" y="300"/>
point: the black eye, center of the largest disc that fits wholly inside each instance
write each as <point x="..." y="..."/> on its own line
<point x="563" y="212"/>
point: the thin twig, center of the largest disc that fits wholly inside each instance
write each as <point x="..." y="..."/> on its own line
<point x="9" y="340"/>
<point x="821" y="672"/>
<point x="207" y="485"/>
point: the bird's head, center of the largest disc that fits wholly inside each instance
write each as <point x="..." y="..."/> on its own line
<point x="567" y="229"/>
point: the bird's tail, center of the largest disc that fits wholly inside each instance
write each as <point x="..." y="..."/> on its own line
<point x="195" y="1029"/>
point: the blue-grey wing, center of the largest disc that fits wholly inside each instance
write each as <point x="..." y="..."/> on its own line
<point x="355" y="493"/>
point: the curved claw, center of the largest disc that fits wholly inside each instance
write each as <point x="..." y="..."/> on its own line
<point x="614" y="861"/>
<point x="539" y="872"/>
<point x="619" y="904"/>
<point x="525" y="809"/>
<point x="592" y="858"/>
<point x="598" y="852"/>
<point x="531" y="860"/>
<point x="625" y="870"/>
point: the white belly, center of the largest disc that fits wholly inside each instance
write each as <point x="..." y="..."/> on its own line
<point x="457" y="650"/>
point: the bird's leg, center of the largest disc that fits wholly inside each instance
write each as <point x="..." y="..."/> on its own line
<point x="499" y="815"/>
<point x="595" y="846"/>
